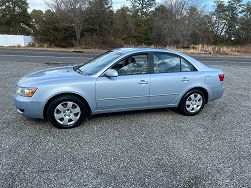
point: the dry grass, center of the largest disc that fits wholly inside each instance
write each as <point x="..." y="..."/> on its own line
<point x="220" y="50"/>
<point x="211" y="49"/>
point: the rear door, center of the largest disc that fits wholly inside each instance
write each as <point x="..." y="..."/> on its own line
<point x="171" y="76"/>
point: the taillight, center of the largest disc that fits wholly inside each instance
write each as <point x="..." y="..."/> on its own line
<point x="221" y="77"/>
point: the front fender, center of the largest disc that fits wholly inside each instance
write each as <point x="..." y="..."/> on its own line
<point x="88" y="93"/>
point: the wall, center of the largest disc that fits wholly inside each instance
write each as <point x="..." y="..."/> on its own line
<point x="15" y="40"/>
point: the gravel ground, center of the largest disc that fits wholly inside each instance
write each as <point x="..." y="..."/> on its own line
<point x="156" y="148"/>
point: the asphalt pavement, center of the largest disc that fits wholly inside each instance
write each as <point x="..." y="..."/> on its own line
<point x="60" y="57"/>
<point x="152" y="148"/>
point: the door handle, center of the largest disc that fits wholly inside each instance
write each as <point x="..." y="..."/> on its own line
<point x="185" y="79"/>
<point x="143" y="82"/>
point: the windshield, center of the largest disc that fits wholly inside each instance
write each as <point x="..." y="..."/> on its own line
<point x="99" y="62"/>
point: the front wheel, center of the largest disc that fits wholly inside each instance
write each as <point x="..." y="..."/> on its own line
<point x="66" y="111"/>
<point x="192" y="102"/>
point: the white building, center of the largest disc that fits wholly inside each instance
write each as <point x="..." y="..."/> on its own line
<point x="15" y="40"/>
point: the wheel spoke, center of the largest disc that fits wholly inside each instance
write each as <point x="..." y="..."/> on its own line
<point x="66" y="120"/>
<point x="60" y="107"/>
<point x="188" y="102"/>
<point x="192" y="96"/>
<point x="76" y="110"/>
<point x="74" y="118"/>
<point x="195" y="108"/>
<point x="69" y="105"/>
<point x="198" y="98"/>
<point x="190" y="108"/>
<point x="58" y="116"/>
<point x="199" y="103"/>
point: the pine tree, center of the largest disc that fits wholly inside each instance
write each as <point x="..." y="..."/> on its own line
<point x="14" y="17"/>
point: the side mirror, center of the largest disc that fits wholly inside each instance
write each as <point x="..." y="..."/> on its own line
<point x="111" y="73"/>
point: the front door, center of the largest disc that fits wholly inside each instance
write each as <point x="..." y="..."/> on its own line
<point x="130" y="90"/>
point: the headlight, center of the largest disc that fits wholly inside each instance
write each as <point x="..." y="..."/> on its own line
<point x="26" y="92"/>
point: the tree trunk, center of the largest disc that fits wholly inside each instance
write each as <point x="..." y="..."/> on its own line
<point x="78" y="37"/>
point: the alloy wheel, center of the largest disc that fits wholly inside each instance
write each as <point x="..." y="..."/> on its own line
<point x="194" y="102"/>
<point x="67" y="113"/>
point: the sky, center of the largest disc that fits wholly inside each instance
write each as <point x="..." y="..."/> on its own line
<point x="41" y="4"/>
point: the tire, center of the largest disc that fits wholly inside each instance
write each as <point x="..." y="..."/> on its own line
<point x="67" y="111"/>
<point x="192" y="102"/>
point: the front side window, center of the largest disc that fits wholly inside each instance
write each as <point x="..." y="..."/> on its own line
<point x="168" y="63"/>
<point x="135" y="64"/>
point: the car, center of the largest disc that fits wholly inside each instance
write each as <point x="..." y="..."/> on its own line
<point x="122" y="79"/>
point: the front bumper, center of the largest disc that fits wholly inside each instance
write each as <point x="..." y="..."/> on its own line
<point x="28" y="107"/>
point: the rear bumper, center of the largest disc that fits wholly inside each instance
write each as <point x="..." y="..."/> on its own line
<point x="27" y="107"/>
<point x="215" y="93"/>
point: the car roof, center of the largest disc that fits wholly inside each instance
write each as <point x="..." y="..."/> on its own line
<point x="130" y="50"/>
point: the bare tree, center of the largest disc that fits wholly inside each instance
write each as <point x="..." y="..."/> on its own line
<point x="175" y="21"/>
<point x="75" y="11"/>
<point x="180" y="7"/>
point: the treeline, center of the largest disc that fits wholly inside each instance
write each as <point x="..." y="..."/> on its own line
<point x="94" y="23"/>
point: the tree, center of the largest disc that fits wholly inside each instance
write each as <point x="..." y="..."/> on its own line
<point x="36" y="19"/>
<point x="178" y="23"/>
<point x="36" y="16"/>
<point x="199" y="27"/>
<point x="227" y="20"/>
<point x="143" y="7"/>
<point x="99" y="17"/>
<point x="122" y="27"/>
<point x="75" y="11"/>
<point x="233" y="12"/>
<point x="141" y="20"/>
<point x="245" y="24"/>
<point x="14" y="17"/>
<point x="54" y="30"/>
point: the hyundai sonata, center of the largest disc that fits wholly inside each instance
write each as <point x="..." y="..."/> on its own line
<point x="119" y="80"/>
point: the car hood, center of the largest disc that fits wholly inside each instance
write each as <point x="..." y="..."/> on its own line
<point x="52" y="76"/>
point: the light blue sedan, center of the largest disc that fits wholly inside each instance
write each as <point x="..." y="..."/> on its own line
<point x="122" y="79"/>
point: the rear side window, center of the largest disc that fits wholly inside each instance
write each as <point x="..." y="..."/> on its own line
<point x="168" y="63"/>
<point x="164" y="63"/>
<point x="186" y="66"/>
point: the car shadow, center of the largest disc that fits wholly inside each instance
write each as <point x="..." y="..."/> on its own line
<point x="44" y="123"/>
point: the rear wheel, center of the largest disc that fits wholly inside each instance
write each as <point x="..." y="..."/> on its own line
<point x="66" y="111"/>
<point x="192" y="102"/>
